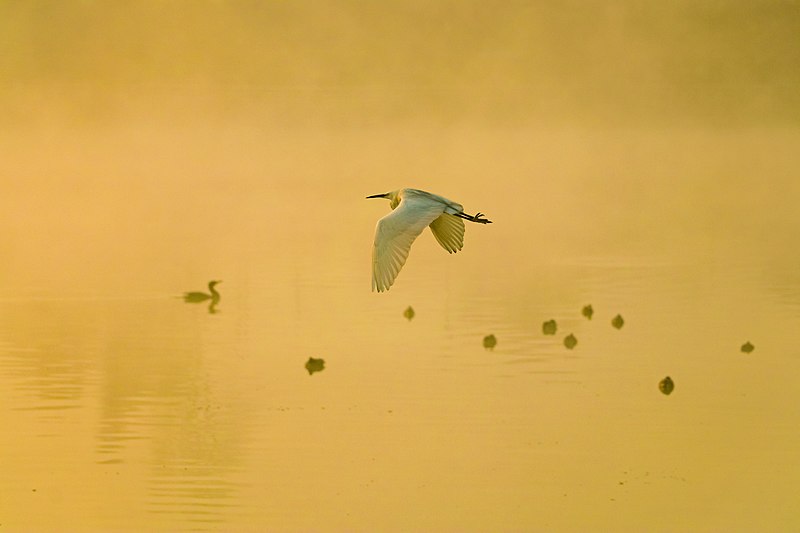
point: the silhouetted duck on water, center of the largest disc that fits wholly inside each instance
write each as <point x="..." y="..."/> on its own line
<point x="197" y="297"/>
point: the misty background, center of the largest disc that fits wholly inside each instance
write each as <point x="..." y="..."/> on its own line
<point x="682" y="62"/>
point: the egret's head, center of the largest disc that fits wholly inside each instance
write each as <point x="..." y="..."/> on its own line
<point x="212" y="283"/>
<point x="393" y="197"/>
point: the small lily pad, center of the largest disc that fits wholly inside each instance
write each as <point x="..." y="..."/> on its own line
<point x="587" y="311"/>
<point x="409" y="312"/>
<point x="666" y="385"/>
<point x="549" y="327"/>
<point x="617" y="322"/>
<point x="570" y="341"/>
<point x="489" y="342"/>
<point x="315" y="365"/>
<point x="748" y="347"/>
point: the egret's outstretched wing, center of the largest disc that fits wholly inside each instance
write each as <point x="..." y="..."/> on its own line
<point x="396" y="232"/>
<point x="449" y="232"/>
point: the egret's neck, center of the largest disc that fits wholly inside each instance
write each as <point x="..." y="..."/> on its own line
<point x="214" y="293"/>
<point x="394" y="200"/>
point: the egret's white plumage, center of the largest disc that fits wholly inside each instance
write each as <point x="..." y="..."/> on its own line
<point x="412" y="211"/>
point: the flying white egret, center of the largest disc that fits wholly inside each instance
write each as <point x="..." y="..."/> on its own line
<point x="412" y="211"/>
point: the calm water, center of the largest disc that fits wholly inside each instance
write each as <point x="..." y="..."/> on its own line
<point x="126" y="409"/>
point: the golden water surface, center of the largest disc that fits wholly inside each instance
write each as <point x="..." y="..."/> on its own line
<point x="643" y="160"/>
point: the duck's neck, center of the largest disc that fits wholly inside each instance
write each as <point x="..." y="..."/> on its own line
<point x="214" y="293"/>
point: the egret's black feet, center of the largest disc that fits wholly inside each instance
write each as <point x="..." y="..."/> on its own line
<point x="481" y="219"/>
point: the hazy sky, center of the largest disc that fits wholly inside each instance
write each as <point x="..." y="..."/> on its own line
<point x="725" y="61"/>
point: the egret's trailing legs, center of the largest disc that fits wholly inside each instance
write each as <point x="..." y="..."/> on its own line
<point x="479" y="218"/>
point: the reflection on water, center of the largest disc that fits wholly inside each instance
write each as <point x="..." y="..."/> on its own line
<point x="194" y="472"/>
<point x="49" y="373"/>
<point x="409" y="313"/>
<point x="101" y="375"/>
<point x="549" y="327"/>
<point x="618" y="322"/>
<point x="194" y="497"/>
<point x="748" y="347"/>
<point x="587" y="311"/>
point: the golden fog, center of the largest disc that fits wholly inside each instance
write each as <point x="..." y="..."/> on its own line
<point x="362" y="62"/>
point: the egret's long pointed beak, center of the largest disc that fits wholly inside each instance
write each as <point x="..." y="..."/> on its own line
<point x="384" y="195"/>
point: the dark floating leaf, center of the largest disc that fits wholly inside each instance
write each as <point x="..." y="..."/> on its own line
<point x="587" y="311"/>
<point x="570" y="341"/>
<point x="549" y="327"/>
<point x="315" y="365"/>
<point x="617" y="322"/>
<point x="489" y="342"/>
<point x="666" y="385"/>
<point x="409" y="313"/>
<point x="748" y="347"/>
